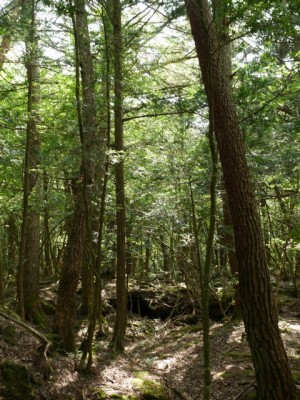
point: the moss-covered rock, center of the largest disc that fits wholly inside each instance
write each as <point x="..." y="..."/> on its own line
<point x="149" y="389"/>
<point x="16" y="380"/>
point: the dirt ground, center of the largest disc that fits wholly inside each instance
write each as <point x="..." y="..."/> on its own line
<point x="166" y="352"/>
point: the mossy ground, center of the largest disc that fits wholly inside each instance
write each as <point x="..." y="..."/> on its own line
<point x="16" y="380"/>
<point x="149" y="389"/>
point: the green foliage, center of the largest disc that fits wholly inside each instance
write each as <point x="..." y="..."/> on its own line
<point x="165" y="122"/>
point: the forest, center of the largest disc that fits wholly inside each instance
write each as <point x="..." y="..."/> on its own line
<point x="150" y="199"/>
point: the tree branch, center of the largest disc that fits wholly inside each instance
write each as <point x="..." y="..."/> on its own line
<point x="159" y="115"/>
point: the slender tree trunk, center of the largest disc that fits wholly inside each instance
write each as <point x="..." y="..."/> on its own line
<point x="209" y="259"/>
<point x="105" y="130"/>
<point x="146" y="263"/>
<point x="12" y="244"/>
<point x="273" y="375"/>
<point x="205" y="272"/>
<point x="46" y="229"/>
<point x="29" y="259"/>
<point x="121" y="317"/>
<point x="166" y="255"/>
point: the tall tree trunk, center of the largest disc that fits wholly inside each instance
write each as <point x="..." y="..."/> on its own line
<point x="228" y="239"/>
<point x="273" y="375"/>
<point x="47" y="264"/>
<point x="90" y="140"/>
<point x="121" y="317"/>
<point x="209" y="258"/>
<point x="65" y="314"/>
<point x="29" y="259"/>
<point x="166" y="255"/>
<point x="93" y="157"/>
<point x="12" y="244"/>
<point x="105" y="130"/>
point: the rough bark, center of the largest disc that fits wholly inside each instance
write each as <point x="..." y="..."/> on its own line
<point x="71" y="265"/>
<point x="105" y="131"/>
<point x="47" y="259"/>
<point x="273" y="375"/>
<point x="93" y="145"/>
<point x="228" y="241"/>
<point x="121" y="316"/>
<point x="12" y="243"/>
<point x="29" y="259"/>
<point x="92" y="159"/>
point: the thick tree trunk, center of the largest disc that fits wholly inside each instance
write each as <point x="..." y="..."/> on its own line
<point x="273" y="375"/>
<point x="92" y="165"/>
<point x="228" y="239"/>
<point x="71" y="266"/>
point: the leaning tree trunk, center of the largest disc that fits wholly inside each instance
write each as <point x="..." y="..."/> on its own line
<point x="228" y="242"/>
<point x="273" y="375"/>
<point x="222" y="28"/>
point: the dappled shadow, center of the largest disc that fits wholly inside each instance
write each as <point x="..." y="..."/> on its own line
<point x="169" y="352"/>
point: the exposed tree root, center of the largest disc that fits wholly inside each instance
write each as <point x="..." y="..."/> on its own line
<point x="45" y="341"/>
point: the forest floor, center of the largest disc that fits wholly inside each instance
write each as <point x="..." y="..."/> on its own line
<point x="162" y="359"/>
